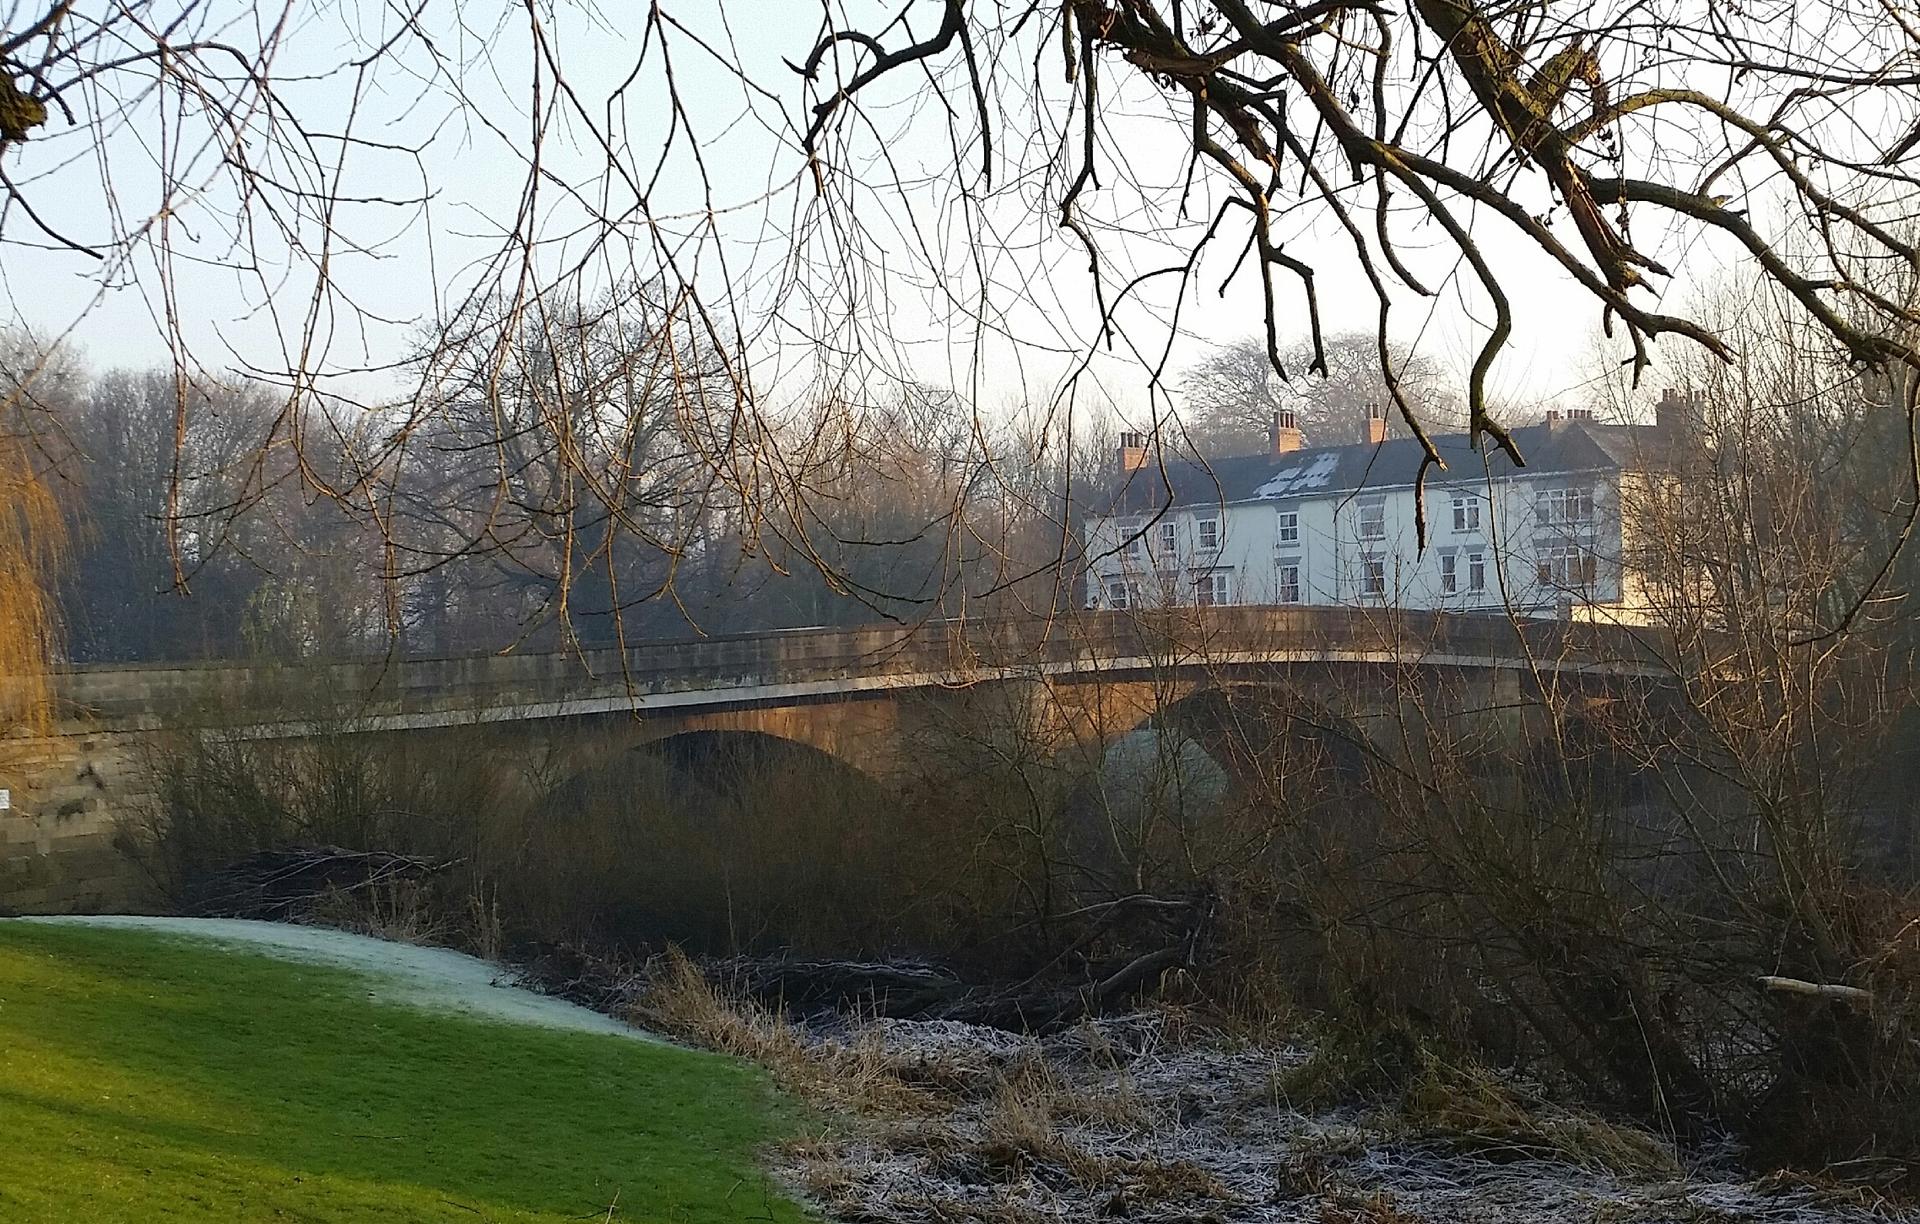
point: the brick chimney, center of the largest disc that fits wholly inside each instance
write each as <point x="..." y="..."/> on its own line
<point x="1286" y="432"/>
<point x="1376" y="424"/>
<point x="1677" y="415"/>
<point x="1133" y="452"/>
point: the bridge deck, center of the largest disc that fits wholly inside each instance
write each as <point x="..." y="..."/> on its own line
<point x="812" y="664"/>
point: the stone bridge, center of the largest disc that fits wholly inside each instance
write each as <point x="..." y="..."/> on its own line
<point x="859" y="694"/>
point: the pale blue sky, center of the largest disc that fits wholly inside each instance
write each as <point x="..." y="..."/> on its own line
<point x="472" y="165"/>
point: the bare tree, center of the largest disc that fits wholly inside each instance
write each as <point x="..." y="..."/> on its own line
<point x="122" y="594"/>
<point x="1233" y="393"/>
<point x="580" y="452"/>
<point x="1108" y="150"/>
<point x="1537" y="120"/>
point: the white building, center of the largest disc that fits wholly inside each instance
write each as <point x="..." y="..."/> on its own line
<point x="1335" y="526"/>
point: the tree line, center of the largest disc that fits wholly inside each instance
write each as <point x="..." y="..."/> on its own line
<point x="578" y="494"/>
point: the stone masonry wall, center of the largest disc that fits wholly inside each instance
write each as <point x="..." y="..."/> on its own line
<point x="60" y="836"/>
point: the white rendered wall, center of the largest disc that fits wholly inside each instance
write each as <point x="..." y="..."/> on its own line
<point x="1331" y="552"/>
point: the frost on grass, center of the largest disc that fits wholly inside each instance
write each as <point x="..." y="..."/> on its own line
<point x="1142" y="1118"/>
<point x="437" y="979"/>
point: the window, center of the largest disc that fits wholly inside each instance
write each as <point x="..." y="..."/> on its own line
<point x="1571" y="505"/>
<point x="1450" y="571"/>
<point x="1167" y="538"/>
<point x="1209" y="534"/>
<point x="1476" y="571"/>
<point x="1215" y="588"/>
<point x="1289" y="526"/>
<point x="1287" y="588"/>
<point x="1565" y="565"/>
<point x="1373" y="520"/>
<point x="1466" y="512"/>
<point x="1117" y="596"/>
<point x="1373" y="577"/>
<point x="1136" y="541"/>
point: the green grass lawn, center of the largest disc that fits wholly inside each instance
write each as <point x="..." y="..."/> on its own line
<point x="149" y="1078"/>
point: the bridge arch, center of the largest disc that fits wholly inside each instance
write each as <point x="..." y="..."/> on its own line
<point x="729" y="760"/>
<point x="1220" y="781"/>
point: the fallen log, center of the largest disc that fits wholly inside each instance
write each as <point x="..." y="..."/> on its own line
<point x="893" y="989"/>
<point x="1852" y="996"/>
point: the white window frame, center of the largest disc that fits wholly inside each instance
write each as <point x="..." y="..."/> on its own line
<point x="1289" y="529"/>
<point x="1214" y="589"/>
<point x="1288" y="590"/>
<point x="1169" y="540"/>
<point x="1569" y="506"/>
<point x="1136" y="534"/>
<point x="1373" y="515"/>
<point x="1209" y="526"/>
<point x="1466" y="512"/>
<point x="1373" y="577"/>
<point x="1476" y="572"/>
<point x="1449" y="573"/>
<point x="1565" y="566"/>
<point x="1119" y="595"/>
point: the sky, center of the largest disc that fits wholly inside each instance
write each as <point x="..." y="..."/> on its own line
<point x="996" y="302"/>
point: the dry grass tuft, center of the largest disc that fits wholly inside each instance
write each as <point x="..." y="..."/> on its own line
<point x="1030" y="1124"/>
<point x="1113" y="1104"/>
<point x="862" y="1077"/>
<point x="1354" y="1208"/>
<point x="1467" y="1106"/>
<point x="400" y="911"/>
<point x="1473" y="1109"/>
<point x="1352" y="1064"/>
<point x="820" y="1168"/>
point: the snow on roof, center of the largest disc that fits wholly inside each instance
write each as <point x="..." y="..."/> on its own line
<point x="1549" y="449"/>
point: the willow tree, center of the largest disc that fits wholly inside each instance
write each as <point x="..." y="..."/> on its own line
<point x="1041" y="178"/>
<point x="32" y="532"/>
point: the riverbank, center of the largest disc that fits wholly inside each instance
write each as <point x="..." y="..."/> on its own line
<point x="329" y="1077"/>
<point x="1160" y="1116"/>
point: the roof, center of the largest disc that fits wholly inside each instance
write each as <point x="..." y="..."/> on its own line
<point x="1564" y="446"/>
